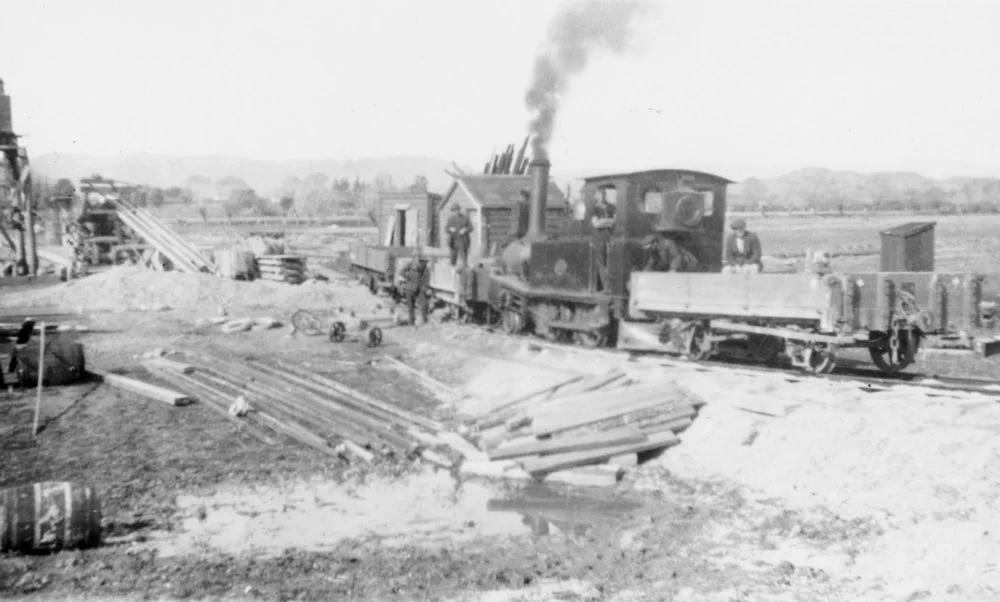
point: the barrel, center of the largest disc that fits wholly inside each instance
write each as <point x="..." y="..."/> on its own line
<point x="49" y="516"/>
<point x="64" y="360"/>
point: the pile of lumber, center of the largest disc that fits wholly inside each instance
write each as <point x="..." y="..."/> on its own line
<point x="274" y="398"/>
<point x="506" y="163"/>
<point x="165" y="243"/>
<point x="608" y="418"/>
<point x="282" y="268"/>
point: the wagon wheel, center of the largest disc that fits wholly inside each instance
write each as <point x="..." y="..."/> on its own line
<point x="698" y="344"/>
<point x="822" y="360"/>
<point x="374" y="336"/>
<point x="512" y="322"/>
<point x="591" y="338"/>
<point x="337" y="332"/>
<point x="307" y="323"/>
<point x="764" y="348"/>
<point x="882" y="353"/>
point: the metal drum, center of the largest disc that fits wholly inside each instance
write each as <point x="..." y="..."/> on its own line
<point x="49" y="516"/>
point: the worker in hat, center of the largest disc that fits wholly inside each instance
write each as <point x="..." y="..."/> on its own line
<point x="667" y="251"/>
<point x="742" y="252"/>
<point x="459" y="230"/>
<point x="416" y="280"/>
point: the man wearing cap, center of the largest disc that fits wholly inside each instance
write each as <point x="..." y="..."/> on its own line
<point x="742" y="252"/>
<point x="667" y="253"/>
<point x="459" y="230"/>
<point x="416" y="279"/>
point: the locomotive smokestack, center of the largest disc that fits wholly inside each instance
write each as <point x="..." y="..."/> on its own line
<point x="539" y="169"/>
<point x="6" y="121"/>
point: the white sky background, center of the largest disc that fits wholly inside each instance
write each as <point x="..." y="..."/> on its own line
<point x="739" y="87"/>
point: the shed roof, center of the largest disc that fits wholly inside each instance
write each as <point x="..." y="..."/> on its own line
<point x="909" y="229"/>
<point x="504" y="191"/>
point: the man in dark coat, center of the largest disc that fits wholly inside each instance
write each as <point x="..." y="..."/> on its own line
<point x="416" y="281"/>
<point x="459" y="230"/>
<point x="667" y="253"/>
<point x="743" y="250"/>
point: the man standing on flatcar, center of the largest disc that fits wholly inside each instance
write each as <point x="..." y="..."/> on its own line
<point x="459" y="230"/>
<point x="743" y="250"/>
<point x="668" y="253"/>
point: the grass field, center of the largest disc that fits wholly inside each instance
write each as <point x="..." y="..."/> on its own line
<point x="962" y="242"/>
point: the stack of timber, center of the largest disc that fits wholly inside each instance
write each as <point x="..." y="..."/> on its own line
<point x="610" y="418"/>
<point x="507" y="163"/>
<point x="282" y="268"/>
<point x="309" y="408"/>
<point x="165" y="243"/>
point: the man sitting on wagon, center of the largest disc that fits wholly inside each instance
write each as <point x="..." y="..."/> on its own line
<point x="667" y="252"/>
<point x="742" y="252"/>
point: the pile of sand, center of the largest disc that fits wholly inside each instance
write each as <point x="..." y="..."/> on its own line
<point x="129" y="288"/>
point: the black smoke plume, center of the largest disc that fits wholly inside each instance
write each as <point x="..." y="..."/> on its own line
<point x="578" y="32"/>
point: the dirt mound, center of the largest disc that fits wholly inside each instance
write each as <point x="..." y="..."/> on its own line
<point x="137" y="289"/>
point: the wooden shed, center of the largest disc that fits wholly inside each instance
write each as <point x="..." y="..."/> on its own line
<point x="491" y="202"/>
<point x="908" y="248"/>
<point x="406" y="219"/>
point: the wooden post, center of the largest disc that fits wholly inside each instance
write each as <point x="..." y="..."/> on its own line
<point x="41" y="376"/>
<point x="31" y="247"/>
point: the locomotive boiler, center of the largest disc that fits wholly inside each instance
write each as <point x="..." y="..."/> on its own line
<point x="574" y="286"/>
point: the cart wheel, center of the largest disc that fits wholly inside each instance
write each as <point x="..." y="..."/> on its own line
<point x="375" y="337"/>
<point x="882" y="354"/>
<point x="822" y="360"/>
<point x="699" y="342"/>
<point x="306" y="323"/>
<point x="512" y="322"/>
<point x="337" y="332"/>
<point x="591" y="339"/>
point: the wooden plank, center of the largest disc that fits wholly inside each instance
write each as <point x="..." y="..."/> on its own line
<point x="620" y="436"/>
<point x="169" y="365"/>
<point x="540" y="465"/>
<point x="147" y="390"/>
<point x="582" y="416"/>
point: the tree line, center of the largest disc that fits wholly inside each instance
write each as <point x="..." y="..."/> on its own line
<point x="315" y="195"/>
<point x="825" y="192"/>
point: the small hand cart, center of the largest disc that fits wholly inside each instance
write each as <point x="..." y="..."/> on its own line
<point x="310" y="325"/>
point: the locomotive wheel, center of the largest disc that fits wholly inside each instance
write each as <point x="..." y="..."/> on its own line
<point x="823" y="361"/>
<point x="591" y="338"/>
<point x="882" y="353"/>
<point x="698" y="344"/>
<point x="512" y="322"/>
<point x="375" y="337"/>
<point x="306" y="323"/>
<point x="764" y="348"/>
<point x="337" y="332"/>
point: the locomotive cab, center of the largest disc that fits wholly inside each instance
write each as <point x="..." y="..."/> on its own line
<point x="576" y="283"/>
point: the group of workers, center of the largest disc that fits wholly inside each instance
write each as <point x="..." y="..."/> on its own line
<point x="670" y="251"/>
<point x="666" y="251"/>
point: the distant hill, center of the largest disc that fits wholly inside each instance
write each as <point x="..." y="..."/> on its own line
<point x="264" y="176"/>
<point x="827" y="188"/>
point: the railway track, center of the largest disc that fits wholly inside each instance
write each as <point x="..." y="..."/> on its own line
<point x="867" y="380"/>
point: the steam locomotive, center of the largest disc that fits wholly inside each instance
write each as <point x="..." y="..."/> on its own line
<point x="585" y="283"/>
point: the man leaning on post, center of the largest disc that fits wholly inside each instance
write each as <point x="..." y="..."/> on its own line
<point x="459" y="229"/>
<point x="742" y="252"/>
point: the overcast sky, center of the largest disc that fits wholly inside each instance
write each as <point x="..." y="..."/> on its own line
<point x="738" y="87"/>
